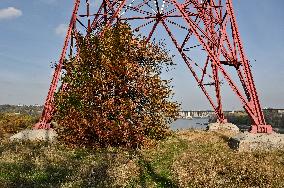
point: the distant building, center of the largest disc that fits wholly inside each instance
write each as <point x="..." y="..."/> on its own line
<point x="195" y="114"/>
<point x="280" y="111"/>
<point x="209" y="113"/>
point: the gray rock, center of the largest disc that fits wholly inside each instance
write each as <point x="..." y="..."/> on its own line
<point x="260" y="141"/>
<point x="35" y="135"/>
<point x="223" y="126"/>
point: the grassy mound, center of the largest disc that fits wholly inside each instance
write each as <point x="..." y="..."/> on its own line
<point x="187" y="159"/>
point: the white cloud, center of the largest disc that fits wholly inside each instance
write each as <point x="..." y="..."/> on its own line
<point x="61" y="29"/>
<point x="10" y="13"/>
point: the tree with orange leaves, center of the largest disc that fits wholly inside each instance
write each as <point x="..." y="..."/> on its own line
<point x="114" y="95"/>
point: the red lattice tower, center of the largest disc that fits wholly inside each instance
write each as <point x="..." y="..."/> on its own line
<point x="205" y="34"/>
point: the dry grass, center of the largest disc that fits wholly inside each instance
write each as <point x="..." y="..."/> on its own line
<point x="187" y="159"/>
<point x="209" y="162"/>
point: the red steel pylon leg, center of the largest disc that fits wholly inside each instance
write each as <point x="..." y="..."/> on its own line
<point x="48" y="110"/>
<point x="206" y="25"/>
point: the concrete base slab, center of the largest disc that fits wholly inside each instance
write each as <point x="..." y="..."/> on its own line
<point x="35" y="135"/>
<point x="261" y="141"/>
<point x="223" y="126"/>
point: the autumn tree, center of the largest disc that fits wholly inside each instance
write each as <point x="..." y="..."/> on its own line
<point x="113" y="94"/>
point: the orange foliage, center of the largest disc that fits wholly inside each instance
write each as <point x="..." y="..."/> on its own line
<point x="114" y="95"/>
<point x="12" y="123"/>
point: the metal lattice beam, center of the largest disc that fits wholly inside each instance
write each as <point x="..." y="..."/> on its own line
<point x="208" y="26"/>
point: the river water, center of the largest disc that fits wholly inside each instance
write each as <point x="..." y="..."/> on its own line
<point x="195" y="123"/>
<point x="201" y="124"/>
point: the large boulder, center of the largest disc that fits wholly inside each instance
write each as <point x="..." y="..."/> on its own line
<point x="223" y="127"/>
<point x="259" y="141"/>
<point x="35" y="135"/>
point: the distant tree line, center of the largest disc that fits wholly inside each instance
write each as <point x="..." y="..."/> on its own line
<point x="25" y="109"/>
<point x="272" y="117"/>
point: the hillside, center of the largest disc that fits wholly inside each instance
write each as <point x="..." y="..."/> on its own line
<point x="186" y="159"/>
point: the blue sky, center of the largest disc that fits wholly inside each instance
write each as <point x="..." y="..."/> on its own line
<point x="31" y="36"/>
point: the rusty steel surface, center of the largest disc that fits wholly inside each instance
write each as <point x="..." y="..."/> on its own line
<point x="207" y="29"/>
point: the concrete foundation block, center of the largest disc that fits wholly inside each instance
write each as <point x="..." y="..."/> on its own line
<point x="35" y="135"/>
<point x="261" y="141"/>
<point x="223" y="126"/>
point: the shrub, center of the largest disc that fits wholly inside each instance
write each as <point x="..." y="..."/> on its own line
<point x="113" y="94"/>
<point x="12" y="123"/>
